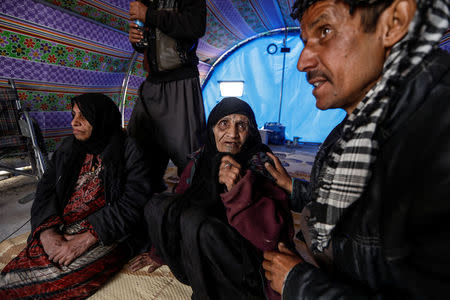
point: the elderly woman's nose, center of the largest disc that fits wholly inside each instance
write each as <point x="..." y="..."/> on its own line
<point x="233" y="130"/>
<point x="74" y="121"/>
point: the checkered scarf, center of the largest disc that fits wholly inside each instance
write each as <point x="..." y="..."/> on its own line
<point x="347" y="169"/>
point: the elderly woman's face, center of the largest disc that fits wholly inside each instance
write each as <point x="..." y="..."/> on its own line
<point x="231" y="132"/>
<point x="82" y="129"/>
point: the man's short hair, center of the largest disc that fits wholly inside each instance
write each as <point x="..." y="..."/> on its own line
<point x="371" y="10"/>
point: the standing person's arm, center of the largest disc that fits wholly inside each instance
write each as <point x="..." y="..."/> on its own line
<point x="189" y="22"/>
<point x="137" y="11"/>
<point x="134" y="36"/>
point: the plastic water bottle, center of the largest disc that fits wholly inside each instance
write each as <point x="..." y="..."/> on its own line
<point x="144" y="42"/>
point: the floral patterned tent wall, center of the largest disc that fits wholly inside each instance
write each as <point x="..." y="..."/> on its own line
<point x="53" y="55"/>
<point x="56" y="49"/>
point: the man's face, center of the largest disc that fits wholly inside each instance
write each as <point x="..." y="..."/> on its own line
<point x="82" y="129"/>
<point x="342" y="62"/>
<point x="231" y="132"/>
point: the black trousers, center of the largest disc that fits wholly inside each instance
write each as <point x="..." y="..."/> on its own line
<point x="168" y="122"/>
<point x="204" y="251"/>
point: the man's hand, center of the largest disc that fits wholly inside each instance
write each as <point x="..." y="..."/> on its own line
<point x="305" y="253"/>
<point x="278" y="264"/>
<point x="51" y="241"/>
<point x="279" y="173"/>
<point x="73" y="247"/>
<point x="141" y="261"/>
<point x="229" y="172"/>
<point x="138" y="11"/>
<point x="134" y="34"/>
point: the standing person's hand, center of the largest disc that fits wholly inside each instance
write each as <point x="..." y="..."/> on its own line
<point x="138" y="11"/>
<point x="278" y="264"/>
<point x="279" y="173"/>
<point x="134" y="34"/>
<point x="229" y="172"/>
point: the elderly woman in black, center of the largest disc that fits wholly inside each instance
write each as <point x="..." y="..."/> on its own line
<point x="226" y="212"/>
<point x="88" y="206"/>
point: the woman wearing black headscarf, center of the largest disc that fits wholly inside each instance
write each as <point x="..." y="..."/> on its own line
<point x="226" y="213"/>
<point x="88" y="206"/>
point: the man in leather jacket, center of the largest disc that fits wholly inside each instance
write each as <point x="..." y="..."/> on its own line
<point x="375" y="217"/>
<point x="168" y="120"/>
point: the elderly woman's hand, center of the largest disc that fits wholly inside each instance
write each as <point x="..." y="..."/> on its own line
<point x="51" y="241"/>
<point x="72" y="247"/>
<point x="229" y="172"/>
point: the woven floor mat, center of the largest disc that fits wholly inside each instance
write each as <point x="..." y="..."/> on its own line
<point x="160" y="284"/>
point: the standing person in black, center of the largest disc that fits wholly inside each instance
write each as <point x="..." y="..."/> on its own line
<point x="169" y="119"/>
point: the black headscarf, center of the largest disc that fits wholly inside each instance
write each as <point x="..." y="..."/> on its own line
<point x="229" y="106"/>
<point x="205" y="188"/>
<point x="104" y="117"/>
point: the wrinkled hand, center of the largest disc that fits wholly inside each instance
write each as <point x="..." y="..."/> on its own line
<point x="229" y="172"/>
<point x="51" y="241"/>
<point x="73" y="247"/>
<point x="135" y="35"/>
<point x="279" y="173"/>
<point x="143" y="260"/>
<point x="278" y="264"/>
<point x="138" y="10"/>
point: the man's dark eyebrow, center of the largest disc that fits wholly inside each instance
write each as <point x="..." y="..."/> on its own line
<point x="319" y="19"/>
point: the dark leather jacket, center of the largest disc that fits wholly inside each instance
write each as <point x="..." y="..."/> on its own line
<point x="126" y="192"/>
<point x="394" y="242"/>
<point x="182" y="20"/>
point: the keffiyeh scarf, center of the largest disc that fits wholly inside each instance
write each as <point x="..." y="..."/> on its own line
<point x="347" y="170"/>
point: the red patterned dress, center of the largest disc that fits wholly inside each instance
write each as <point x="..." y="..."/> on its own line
<point x="32" y="275"/>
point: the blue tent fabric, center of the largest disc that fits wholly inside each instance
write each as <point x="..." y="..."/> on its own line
<point x="262" y="76"/>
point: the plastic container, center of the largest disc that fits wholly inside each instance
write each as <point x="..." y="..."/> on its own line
<point x="265" y="135"/>
<point x="277" y="134"/>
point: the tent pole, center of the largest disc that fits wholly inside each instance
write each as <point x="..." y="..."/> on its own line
<point x="124" y="89"/>
<point x="282" y="76"/>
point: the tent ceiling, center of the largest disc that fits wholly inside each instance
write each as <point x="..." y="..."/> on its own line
<point x="229" y="21"/>
<point x="56" y="49"/>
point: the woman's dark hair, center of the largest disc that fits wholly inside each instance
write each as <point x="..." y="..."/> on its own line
<point x="370" y="10"/>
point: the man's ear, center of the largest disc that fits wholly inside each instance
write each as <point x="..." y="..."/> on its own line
<point x="396" y="19"/>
